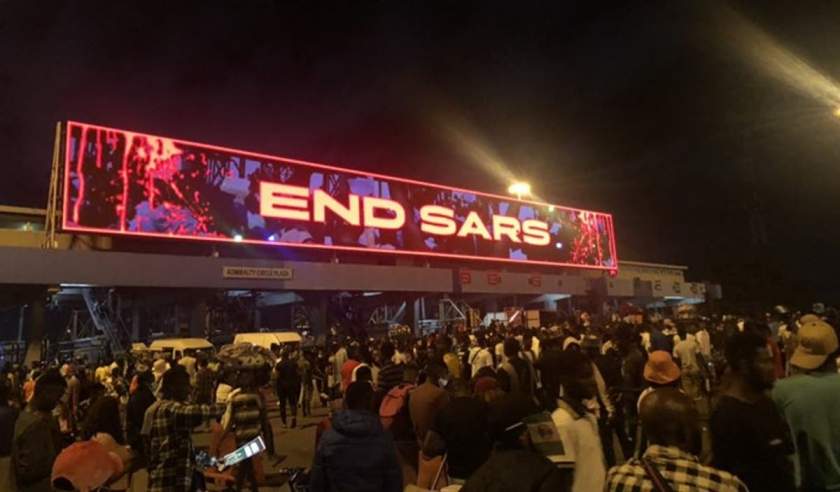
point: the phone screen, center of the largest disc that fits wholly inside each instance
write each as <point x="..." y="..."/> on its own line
<point x="247" y="450"/>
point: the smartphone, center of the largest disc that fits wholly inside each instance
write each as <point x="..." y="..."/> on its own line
<point x="242" y="453"/>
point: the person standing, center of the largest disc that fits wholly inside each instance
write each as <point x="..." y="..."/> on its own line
<point x="749" y="437"/>
<point x="448" y="357"/>
<point x="810" y="403"/>
<point x="350" y="364"/>
<point x="577" y="425"/>
<point x="427" y="400"/>
<point x="205" y="383"/>
<point x="140" y="401"/>
<point x="660" y="372"/>
<point x="686" y="351"/>
<point x="70" y="400"/>
<point x="659" y="340"/>
<point x="339" y="358"/>
<point x="391" y="374"/>
<point x="37" y="438"/>
<point x="288" y="386"/>
<point x="515" y="465"/>
<point x="189" y="362"/>
<point x="248" y="421"/>
<point x="356" y="454"/>
<point x="480" y="357"/>
<point x="306" y="381"/>
<point x="704" y="342"/>
<point x="103" y="425"/>
<point x="670" y="420"/>
<point x="29" y="385"/>
<point x="8" y="416"/>
<point x="462" y="432"/>
<point x="169" y="430"/>
<point x="401" y="355"/>
<point x="516" y="374"/>
<point x="632" y="374"/>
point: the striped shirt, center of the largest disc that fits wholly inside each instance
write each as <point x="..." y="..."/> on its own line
<point x="390" y="376"/>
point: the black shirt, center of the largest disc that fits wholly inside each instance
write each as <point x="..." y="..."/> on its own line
<point x="751" y="441"/>
<point x="462" y="424"/>
<point x="287" y="374"/>
<point x="8" y="416"/>
<point x="518" y="471"/>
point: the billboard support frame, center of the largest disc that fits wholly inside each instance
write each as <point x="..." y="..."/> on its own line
<point x="54" y="197"/>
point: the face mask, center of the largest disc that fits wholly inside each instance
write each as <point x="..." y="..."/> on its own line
<point x="443" y="382"/>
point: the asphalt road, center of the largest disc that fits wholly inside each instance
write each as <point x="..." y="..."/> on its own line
<point x="295" y="448"/>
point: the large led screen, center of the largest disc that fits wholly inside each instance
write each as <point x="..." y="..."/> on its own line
<point x="129" y="183"/>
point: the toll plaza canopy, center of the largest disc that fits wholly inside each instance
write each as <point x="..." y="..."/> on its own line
<point x="125" y="183"/>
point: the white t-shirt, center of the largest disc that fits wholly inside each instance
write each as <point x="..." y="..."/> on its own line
<point x="581" y="436"/>
<point x="480" y="358"/>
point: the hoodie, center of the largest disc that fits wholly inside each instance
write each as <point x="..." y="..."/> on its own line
<point x="356" y="455"/>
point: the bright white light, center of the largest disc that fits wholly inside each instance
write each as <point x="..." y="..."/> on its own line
<point x="237" y="238"/>
<point x="519" y="189"/>
<point x="272" y="237"/>
<point x="559" y="245"/>
<point x="551" y="208"/>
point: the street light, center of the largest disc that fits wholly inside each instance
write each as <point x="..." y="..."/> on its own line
<point x="519" y="189"/>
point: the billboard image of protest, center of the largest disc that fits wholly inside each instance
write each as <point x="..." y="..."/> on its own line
<point x="128" y="183"/>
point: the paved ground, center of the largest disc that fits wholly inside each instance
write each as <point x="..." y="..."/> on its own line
<point x="295" y="447"/>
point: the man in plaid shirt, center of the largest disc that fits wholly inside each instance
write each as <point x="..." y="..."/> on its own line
<point x="672" y="424"/>
<point x="168" y="425"/>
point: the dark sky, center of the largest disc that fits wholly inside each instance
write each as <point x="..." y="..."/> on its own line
<point x="662" y="113"/>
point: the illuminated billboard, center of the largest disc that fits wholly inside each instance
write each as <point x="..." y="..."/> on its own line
<point x="134" y="184"/>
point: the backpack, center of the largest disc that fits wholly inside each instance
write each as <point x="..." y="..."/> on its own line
<point x="395" y="405"/>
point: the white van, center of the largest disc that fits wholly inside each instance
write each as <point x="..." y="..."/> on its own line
<point x="267" y="339"/>
<point x="179" y="347"/>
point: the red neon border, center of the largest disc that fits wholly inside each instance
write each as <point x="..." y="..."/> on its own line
<point x="66" y="227"/>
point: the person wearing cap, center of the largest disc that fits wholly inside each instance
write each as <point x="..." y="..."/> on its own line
<point x="749" y="437"/>
<point x="810" y="403"/>
<point x="515" y="464"/>
<point x="85" y="466"/>
<point x="660" y="372"/>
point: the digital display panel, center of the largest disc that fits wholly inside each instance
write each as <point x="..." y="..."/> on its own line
<point x="130" y="183"/>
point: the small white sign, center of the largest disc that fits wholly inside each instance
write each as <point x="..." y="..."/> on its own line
<point x="257" y="272"/>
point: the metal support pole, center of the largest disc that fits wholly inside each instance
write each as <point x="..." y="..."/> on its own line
<point x="21" y="319"/>
<point x="53" y="210"/>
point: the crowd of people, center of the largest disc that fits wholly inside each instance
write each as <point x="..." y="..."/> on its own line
<point x="633" y="403"/>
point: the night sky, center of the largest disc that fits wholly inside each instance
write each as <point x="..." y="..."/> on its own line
<point x="711" y="149"/>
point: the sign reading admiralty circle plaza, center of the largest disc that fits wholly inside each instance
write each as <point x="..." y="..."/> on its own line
<point x="128" y="183"/>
